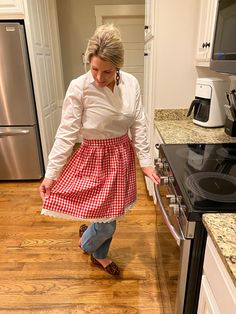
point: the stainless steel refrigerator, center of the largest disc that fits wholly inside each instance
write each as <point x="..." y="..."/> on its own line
<point x="20" y="146"/>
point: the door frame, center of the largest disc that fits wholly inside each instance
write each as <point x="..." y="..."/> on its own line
<point x="118" y="10"/>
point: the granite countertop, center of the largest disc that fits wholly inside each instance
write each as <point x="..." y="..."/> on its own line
<point x="175" y="128"/>
<point x="222" y="228"/>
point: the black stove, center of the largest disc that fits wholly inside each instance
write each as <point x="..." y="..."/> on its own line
<point x="203" y="175"/>
<point x="195" y="179"/>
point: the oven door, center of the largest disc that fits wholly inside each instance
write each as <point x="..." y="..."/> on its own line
<point x="173" y="251"/>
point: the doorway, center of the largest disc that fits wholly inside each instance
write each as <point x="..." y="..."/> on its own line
<point x="130" y="21"/>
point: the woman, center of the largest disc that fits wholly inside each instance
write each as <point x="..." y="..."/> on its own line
<point x="98" y="183"/>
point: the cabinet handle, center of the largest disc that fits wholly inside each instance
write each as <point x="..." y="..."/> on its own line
<point x="205" y="45"/>
<point x="146" y="27"/>
<point x="145" y="54"/>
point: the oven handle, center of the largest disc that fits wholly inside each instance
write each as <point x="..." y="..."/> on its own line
<point x="174" y="233"/>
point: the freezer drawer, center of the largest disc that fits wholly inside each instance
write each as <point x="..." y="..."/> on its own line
<point x="20" y="154"/>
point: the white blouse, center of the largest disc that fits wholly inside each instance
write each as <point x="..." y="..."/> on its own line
<point x="99" y="113"/>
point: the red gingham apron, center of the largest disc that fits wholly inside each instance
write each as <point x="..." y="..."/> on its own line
<point x="98" y="182"/>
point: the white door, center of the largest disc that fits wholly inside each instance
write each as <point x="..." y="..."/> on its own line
<point x="130" y="21"/>
<point x="44" y="49"/>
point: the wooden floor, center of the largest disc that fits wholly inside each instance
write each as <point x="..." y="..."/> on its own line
<point x="43" y="271"/>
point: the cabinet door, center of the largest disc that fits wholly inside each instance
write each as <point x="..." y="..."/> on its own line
<point x="207" y="303"/>
<point x="218" y="292"/>
<point x="148" y="99"/>
<point x="11" y="8"/>
<point x="206" y="31"/>
<point x="149" y="18"/>
<point x="211" y="28"/>
<point x="148" y="82"/>
<point x="202" y="30"/>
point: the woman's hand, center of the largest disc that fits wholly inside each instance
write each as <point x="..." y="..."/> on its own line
<point x="45" y="188"/>
<point x="150" y="172"/>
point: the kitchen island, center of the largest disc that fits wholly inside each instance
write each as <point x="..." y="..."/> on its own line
<point x="174" y="127"/>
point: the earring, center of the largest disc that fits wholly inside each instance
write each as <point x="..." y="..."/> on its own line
<point x="117" y="77"/>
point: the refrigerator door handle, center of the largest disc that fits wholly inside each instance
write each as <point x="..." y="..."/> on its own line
<point x="13" y="133"/>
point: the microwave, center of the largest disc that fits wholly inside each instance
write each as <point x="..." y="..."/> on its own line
<point x="223" y="58"/>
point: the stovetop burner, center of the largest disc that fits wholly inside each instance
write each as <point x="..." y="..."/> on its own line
<point x="214" y="186"/>
<point x="204" y="175"/>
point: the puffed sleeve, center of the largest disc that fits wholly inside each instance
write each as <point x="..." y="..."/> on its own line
<point x="68" y="131"/>
<point x="139" y="132"/>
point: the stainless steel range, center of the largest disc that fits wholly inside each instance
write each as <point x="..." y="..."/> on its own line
<point x="195" y="179"/>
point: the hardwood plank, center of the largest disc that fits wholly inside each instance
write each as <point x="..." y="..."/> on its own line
<point x="42" y="270"/>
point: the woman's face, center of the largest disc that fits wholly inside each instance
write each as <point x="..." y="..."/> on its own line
<point x="103" y="72"/>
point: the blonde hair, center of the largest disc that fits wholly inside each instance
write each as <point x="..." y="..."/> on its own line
<point x="106" y="44"/>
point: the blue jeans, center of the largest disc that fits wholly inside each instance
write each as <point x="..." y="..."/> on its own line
<point x="97" y="238"/>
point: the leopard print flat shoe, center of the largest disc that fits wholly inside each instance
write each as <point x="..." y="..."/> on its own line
<point x="111" y="268"/>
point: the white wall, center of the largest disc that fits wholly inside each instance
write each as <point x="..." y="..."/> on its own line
<point x="177" y="39"/>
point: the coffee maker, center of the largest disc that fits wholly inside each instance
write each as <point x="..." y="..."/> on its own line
<point x="208" y="105"/>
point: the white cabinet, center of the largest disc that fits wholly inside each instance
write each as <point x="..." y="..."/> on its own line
<point x="149" y="18"/>
<point x="207" y="19"/>
<point x="150" y="13"/>
<point x="148" y="82"/>
<point x="150" y="76"/>
<point x="218" y="293"/>
<point x="148" y="100"/>
<point x="11" y="9"/>
<point x="207" y="301"/>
